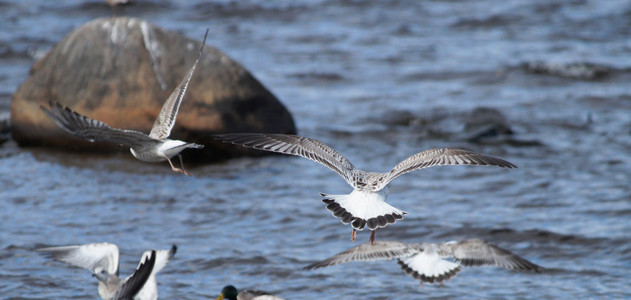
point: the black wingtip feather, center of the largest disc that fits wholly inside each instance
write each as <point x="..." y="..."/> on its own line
<point x="138" y="279"/>
<point x="201" y="48"/>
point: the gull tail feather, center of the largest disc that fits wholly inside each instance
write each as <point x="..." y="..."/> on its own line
<point x="365" y="212"/>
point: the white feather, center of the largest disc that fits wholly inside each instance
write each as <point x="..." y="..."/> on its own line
<point x="366" y="204"/>
<point x="429" y="263"/>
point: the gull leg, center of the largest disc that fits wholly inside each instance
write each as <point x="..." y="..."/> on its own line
<point x="372" y="237"/>
<point x="182" y="164"/>
<point x="177" y="169"/>
<point x="353" y="235"/>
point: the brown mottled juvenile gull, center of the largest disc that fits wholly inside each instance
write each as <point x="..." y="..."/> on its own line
<point x="428" y="262"/>
<point x="366" y="204"/>
<point x="103" y="260"/>
<point x="154" y="147"/>
<point x="229" y="292"/>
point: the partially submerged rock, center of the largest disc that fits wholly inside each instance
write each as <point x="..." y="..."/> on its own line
<point x="577" y="70"/>
<point x="481" y="125"/>
<point x="5" y="126"/>
<point x="121" y="70"/>
<point x="485" y="123"/>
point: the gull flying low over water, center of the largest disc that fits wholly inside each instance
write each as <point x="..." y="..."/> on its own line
<point x="154" y="147"/>
<point x="366" y="204"/>
<point x="103" y="260"/>
<point x="428" y="262"/>
<point x="229" y="292"/>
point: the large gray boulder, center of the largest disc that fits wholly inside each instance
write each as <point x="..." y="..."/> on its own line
<point x="121" y="70"/>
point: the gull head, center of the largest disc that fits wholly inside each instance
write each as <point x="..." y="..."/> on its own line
<point x="101" y="274"/>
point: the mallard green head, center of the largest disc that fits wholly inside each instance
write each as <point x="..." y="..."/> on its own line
<point x="228" y="292"/>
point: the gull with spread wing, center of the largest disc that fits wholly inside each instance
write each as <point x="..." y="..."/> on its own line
<point x="428" y="262"/>
<point x="366" y="205"/>
<point x="155" y="147"/>
<point x="103" y="260"/>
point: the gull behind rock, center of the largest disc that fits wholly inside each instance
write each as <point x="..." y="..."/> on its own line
<point x="115" y="4"/>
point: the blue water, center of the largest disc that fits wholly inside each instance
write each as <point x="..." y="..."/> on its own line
<point x="379" y="81"/>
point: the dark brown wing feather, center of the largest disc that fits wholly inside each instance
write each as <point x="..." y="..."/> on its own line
<point x="94" y="130"/>
<point x="380" y="250"/>
<point x="479" y="253"/>
<point x="294" y="145"/>
<point x="440" y="157"/>
<point x="166" y="119"/>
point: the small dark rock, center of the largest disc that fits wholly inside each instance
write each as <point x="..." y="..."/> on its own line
<point x="577" y="70"/>
<point x="5" y="126"/>
<point x="485" y="123"/>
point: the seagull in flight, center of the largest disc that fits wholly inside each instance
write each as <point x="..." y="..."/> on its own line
<point x="366" y="205"/>
<point x="429" y="262"/>
<point x="154" y="147"/>
<point x="103" y="260"/>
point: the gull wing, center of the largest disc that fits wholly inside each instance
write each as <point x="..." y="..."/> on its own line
<point x="89" y="256"/>
<point x="380" y="250"/>
<point x="162" y="258"/>
<point x="295" y="145"/>
<point x="135" y="282"/>
<point x="166" y="119"/>
<point x="94" y="130"/>
<point x="441" y="157"/>
<point x="479" y="253"/>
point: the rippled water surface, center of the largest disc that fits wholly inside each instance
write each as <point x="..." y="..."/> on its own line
<point x="378" y="80"/>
